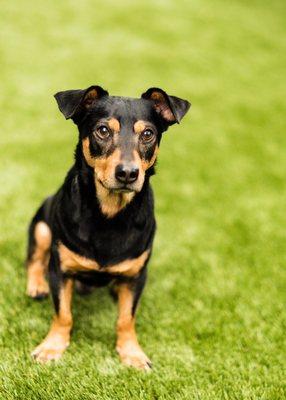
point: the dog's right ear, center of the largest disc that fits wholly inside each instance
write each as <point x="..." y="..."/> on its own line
<point x="72" y="103"/>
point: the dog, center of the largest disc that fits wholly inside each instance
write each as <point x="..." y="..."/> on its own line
<point x="99" y="227"/>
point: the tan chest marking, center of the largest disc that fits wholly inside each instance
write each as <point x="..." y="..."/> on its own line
<point x="72" y="262"/>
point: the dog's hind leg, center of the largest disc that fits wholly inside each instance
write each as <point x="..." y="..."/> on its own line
<point x="38" y="257"/>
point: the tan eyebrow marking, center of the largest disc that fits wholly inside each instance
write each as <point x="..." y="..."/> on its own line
<point x="114" y="125"/>
<point x="139" y="126"/>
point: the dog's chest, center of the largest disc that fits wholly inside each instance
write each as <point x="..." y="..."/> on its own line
<point x="74" y="263"/>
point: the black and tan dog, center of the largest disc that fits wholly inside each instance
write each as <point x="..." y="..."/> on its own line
<point x="99" y="227"/>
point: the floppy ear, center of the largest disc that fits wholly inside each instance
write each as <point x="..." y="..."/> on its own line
<point x="172" y="109"/>
<point x="73" y="102"/>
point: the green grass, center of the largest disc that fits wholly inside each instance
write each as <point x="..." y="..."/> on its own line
<point x="212" y="317"/>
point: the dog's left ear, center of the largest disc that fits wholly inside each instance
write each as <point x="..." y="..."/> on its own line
<point x="73" y="102"/>
<point x="172" y="109"/>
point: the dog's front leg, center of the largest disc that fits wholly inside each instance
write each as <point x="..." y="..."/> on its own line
<point x="58" y="337"/>
<point x="127" y="345"/>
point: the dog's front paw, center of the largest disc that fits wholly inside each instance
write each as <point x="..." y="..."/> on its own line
<point x="38" y="288"/>
<point x="132" y="355"/>
<point x="49" y="350"/>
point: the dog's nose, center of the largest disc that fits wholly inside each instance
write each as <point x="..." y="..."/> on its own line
<point x="126" y="173"/>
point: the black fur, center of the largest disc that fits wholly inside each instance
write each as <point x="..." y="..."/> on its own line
<point x="74" y="214"/>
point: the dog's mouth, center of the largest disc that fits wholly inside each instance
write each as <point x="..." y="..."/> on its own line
<point x="123" y="190"/>
<point x="118" y="189"/>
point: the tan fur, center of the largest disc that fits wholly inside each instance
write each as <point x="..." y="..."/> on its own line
<point x="105" y="166"/>
<point x="72" y="262"/>
<point x="129" y="268"/>
<point x="114" y="125"/>
<point x="139" y="126"/>
<point x="127" y="344"/>
<point x="86" y="152"/>
<point x="162" y="107"/>
<point x="90" y="97"/>
<point x="148" y="164"/>
<point x="37" y="266"/>
<point x="111" y="203"/>
<point x="144" y="163"/>
<point x="58" y="337"/>
<point x="43" y="236"/>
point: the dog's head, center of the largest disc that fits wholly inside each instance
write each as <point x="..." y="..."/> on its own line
<point x="120" y="136"/>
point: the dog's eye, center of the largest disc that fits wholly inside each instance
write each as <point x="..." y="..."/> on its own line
<point x="147" y="135"/>
<point x="102" y="132"/>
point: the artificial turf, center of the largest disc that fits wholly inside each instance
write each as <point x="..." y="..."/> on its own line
<point x="212" y="317"/>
